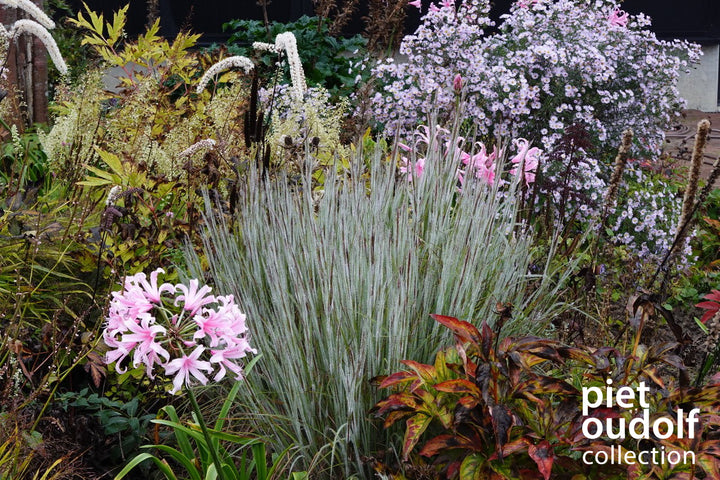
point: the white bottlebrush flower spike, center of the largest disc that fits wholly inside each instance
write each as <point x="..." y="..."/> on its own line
<point x="206" y="143"/>
<point x="34" y="28"/>
<point x="32" y="9"/>
<point x="237" y="61"/>
<point x="286" y="42"/>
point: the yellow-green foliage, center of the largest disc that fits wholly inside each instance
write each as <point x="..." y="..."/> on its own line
<point x="295" y="124"/>
<point x="153" y="114"/>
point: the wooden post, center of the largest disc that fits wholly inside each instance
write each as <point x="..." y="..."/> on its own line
<point x="27" y="74"/>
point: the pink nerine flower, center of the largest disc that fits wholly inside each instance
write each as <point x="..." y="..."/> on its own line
<point x="192" y="297"/>
<point x="528" y="157"/>
<point x="412" y="169"/>
<point x="186" y="366"/>
<point x="416" y="3"/>
<point x="481" y="163"/>
<point x="618" y="18"/>
<point x="157" y="324"/>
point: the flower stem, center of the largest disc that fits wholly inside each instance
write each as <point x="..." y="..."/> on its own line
<point x="206" y="434"/>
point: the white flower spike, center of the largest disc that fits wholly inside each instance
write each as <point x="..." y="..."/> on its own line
<point x="34" y="28"/>
<point x="32" y="9"/>
<point x="286" y="42"/>
<point x="226" y="64"/>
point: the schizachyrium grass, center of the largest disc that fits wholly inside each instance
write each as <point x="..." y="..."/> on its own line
<point x="180" y="329"/>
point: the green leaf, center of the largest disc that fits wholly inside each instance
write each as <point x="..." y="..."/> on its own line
<point x="140" y="458"/>
<point x="180" y="436"/>
<point x="472" y="467"/>
<point x="179" y="457"/>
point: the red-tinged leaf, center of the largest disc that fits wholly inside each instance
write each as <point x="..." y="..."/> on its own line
<point x="519" y="445"/>
<point x="488" y="338"/>
<point x="653" y="375"/>
<point x="472" y="468"/>
<point x="397" y="378"/>
<point x="463" y="330"/>
<point x="444" y="442"/>
<point x="426" y="372"/>
<point x="577" y="354"/>
<point x="709" y="464"/>
<point x="453" y="469"/>
<point x="502" y="422"/>
<point x="710" y="447"/>
<point x="415" y="427"/>
<point x="469" y="402"/>
<point x="395" y="416"/>
<point x="459" y="386"/>
<point x="396" y="401"/>
<point x="543" y="455"/>
<point x="541" y="385"/>
<point x="95" y="366"/>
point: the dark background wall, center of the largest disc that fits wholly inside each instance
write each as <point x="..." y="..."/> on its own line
<point x="696" y="20"/>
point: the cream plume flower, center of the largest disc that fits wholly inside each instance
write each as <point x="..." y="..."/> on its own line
<point x="31" y="9"/>
<point x="286" y="42"/>
<point x="237" y="61"/>
<point x="34" y="28"/>
<point x="206" y="143"/>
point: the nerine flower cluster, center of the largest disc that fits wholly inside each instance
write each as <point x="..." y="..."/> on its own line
<point x="177" y="328"/>
<point x="551" y="64"/>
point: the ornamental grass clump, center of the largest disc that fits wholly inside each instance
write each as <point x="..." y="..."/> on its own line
<point x="340" y="278"/>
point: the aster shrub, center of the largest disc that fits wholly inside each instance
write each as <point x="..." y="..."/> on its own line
<point x="551" y="64"/>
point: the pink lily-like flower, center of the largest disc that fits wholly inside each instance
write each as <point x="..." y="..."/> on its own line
<point x="412" y="169"/>
<point x="185" y="367"/>
<point x="618" y="18"/>
<point x="118" y="351"/>
<point x="152" y="291"/>
<point x="528" y="157"/>
<point x="193" y="298"/>
<point x="448" y="3"/>
<point x="482" y="164"/>
<point x="132" y="301"/>
<point x="434" y="8"/>
<point x="416" y="3"/>
<point x="224" y="358"/>
<point x="147" y="350"/>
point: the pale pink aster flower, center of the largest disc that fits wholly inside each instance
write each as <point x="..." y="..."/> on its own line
<point x="186" y="366"/>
